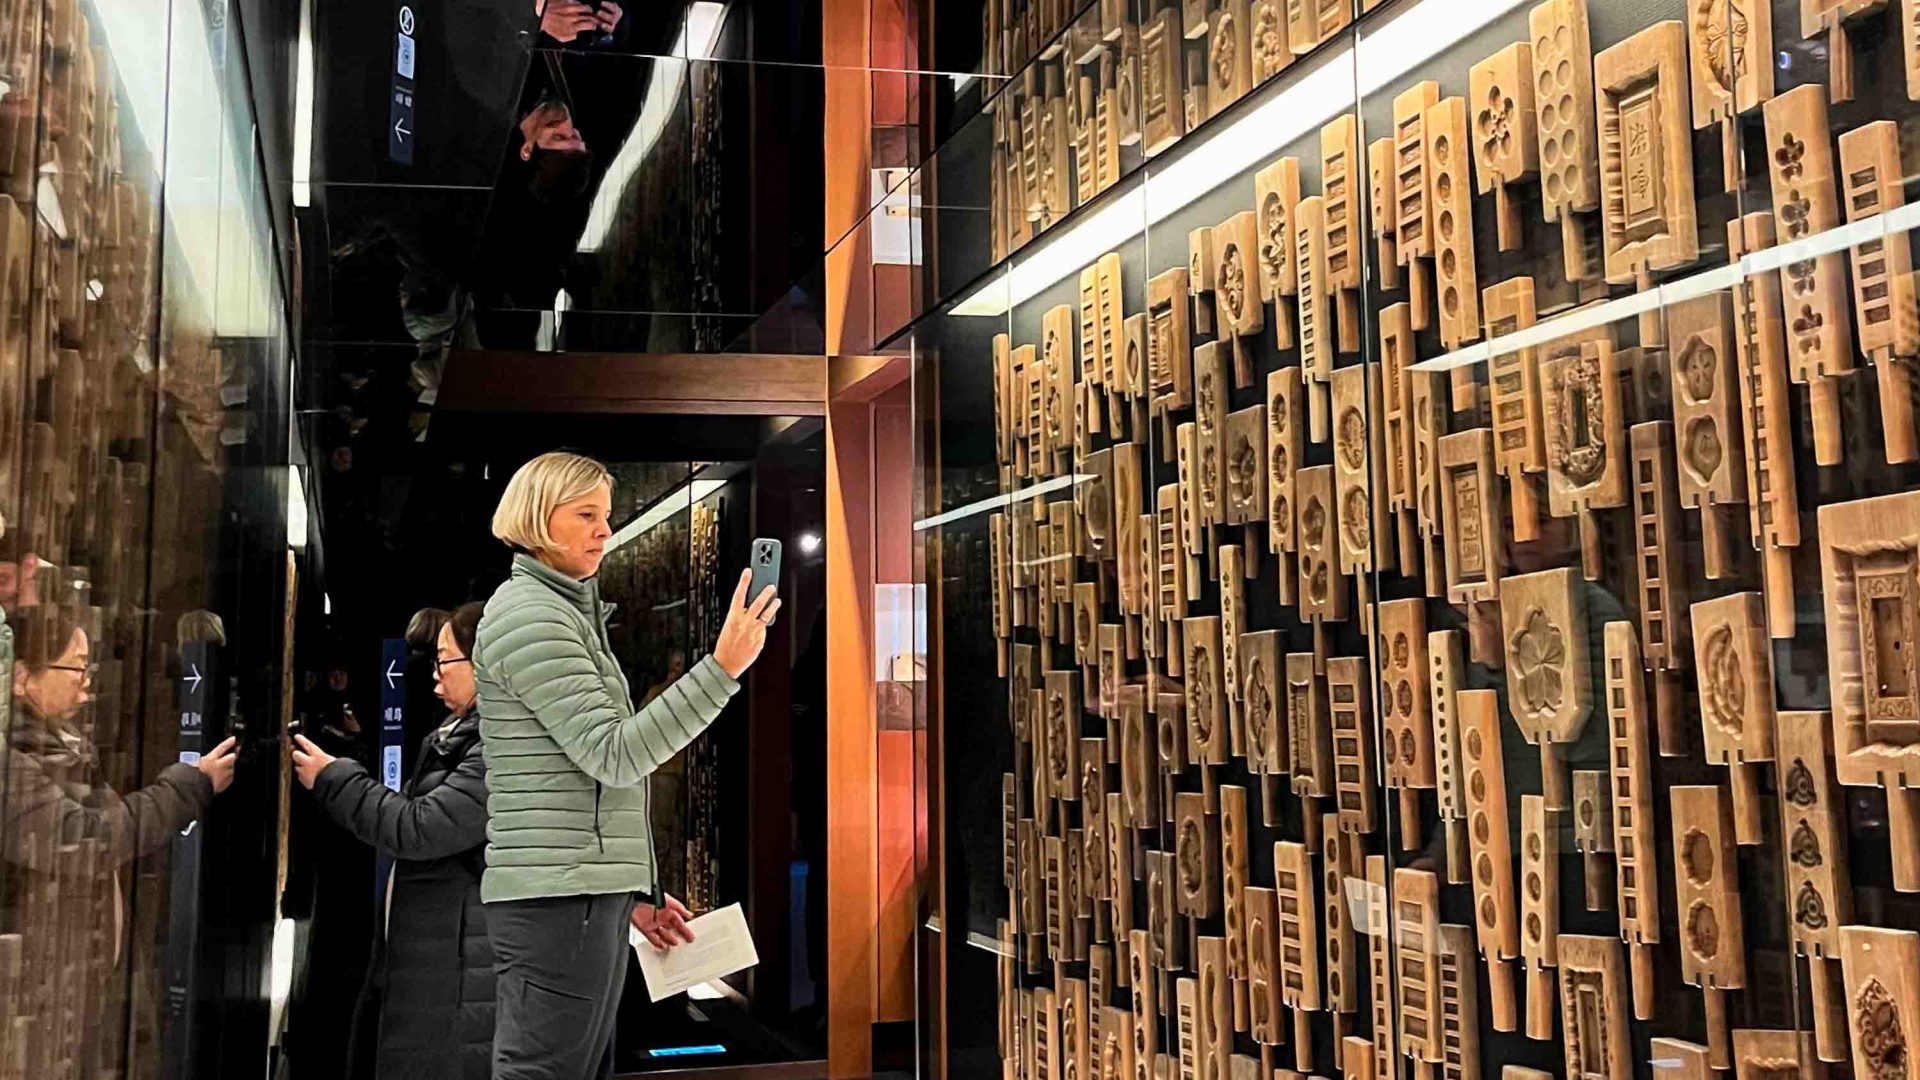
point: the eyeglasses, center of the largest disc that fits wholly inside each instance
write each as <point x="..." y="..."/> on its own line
<point x="439" y="663"/>
<point x="87" y="671"/>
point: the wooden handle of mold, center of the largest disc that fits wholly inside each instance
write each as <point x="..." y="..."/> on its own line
<point x="1410" y="833"/>
<point x="1554" y="788"/>
<point x="1896" y="407"/>
<point x="1903" y="830"/>
<point x="1829" y="1010"/>
<point x="1719" y="1041"/>
<point x="1744" y="777"/>
<point x="1540" y="995"/>
<point x="1823" y="395"/>
<point x="1777" y="569"/>
<point x="1640" y="957"/>
<point x="1506" y="1016"/>
<point x="1524" y="503"/>
<point x="1668" y="704"/>
<point x="1302" y="1041"/>
<point x="1716" y="547"/>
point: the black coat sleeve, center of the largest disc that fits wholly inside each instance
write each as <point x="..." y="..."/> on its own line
<point x="446" y="821"/>
<point x="138" y="824"/>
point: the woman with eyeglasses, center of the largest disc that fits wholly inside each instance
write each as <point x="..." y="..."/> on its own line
<point x="53" y="794"/>
<point x="433" y="969"/>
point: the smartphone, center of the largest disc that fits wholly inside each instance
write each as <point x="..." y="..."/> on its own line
<point x="765" y="564"/>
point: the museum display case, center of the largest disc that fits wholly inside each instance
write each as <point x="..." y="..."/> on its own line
<point x="145" y="571"/>
<point x="1418" y="516"/>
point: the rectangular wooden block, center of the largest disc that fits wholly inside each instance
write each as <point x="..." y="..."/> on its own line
<point x="1474" y="517"/>
<point x="1299" y="923"/>
<point x="1706" y="883"/>
<point x="1162" y="119"/>
<point x="1266" y="1025"/>
<point x="1211" y="391"/>
<point x="1800" y="157"/>
<point x="1205" y="692"/>
<point x="1882" y="972"/>
<point x="1236" y="248"/>
<point x="1340" y="186"/>
<point x="1452" y="236"/>
<point x="1646" y="153"/>
<point x="1413" y="178"/>
<point x="1286" y="445"/>
<point x="1196" y="857"/>
<point x="1246" y="458"/>
<point x="1349" y="688"/>
<point x="1563" y="81"/>
<point x="1169" y="348"/>
<point x="1706" y="414"/>
<point x="1637" y="880"/>
<point x="1342" y="867"/>
<point x="1593" y="1008"/>
<point x="1813" y="830"/>
<point x="1309" y="729"/>
<point x="1262" y="705"/>
<point x="1406" y="716"/>
<point x="1315" y="307"/>
<point x="1276" y="191"/>
<point x="1883" y="288"/>
<point x="1323" y="588"/>
<point x="1352" y="502"/>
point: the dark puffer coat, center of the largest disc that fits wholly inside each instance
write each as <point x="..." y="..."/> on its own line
<point x="434" y="971"/>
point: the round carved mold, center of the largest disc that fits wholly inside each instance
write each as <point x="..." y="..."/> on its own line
<point x="1280" y="508"/>
<point x="1402" y="649"/>
<point x="1483" y="831"/>
<point x="1057" y="738"/>
<point x="1233" y="281"/>
<point x="1804" y="847"/>
<point x="1442" y="154"/>
<point x="1313" y="524"/>
<point x="1352" y="440"/>
<point x="1407" y="746"/>
<point x="1489" y="913"/>
<point x="1586" y="812"/>
<point x="1698" y="857"/>
<point x="1318" y="585"/>
<point x="1703" y="931"/>
<point x="1798" y="786"/>
<point x="1190" y="857"/>
<point x="1563" y="43"/>
<point x="1536" y="848"/>
<point x="1808" y="909"/>
<point x="1533" y="926"/>
<point x="1880" y="1033"/>
<point x="1406" y="701"/>
<point x="1450" y="296"/>
<point x="1723" y="686"/>
<point x="1701" y="450"/>
<point x="1357" y="520"/>
<point x="1472" y="743"/>
<point x="1538" y="653"/>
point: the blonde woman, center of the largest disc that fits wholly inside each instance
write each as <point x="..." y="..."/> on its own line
<point x="570" y="842"/>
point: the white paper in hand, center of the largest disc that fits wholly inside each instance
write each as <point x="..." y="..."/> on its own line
<point x="721" y="946"/>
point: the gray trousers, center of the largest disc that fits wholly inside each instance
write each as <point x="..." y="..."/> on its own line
<point x="561" y="963"/>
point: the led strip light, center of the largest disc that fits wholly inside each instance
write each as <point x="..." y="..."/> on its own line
<point x="1326" y="86"/>
<point x="998" y="502"/>
<point x="1717" y="280"/>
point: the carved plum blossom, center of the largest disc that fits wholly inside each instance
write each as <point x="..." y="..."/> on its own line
<point x="1539" y="653"/>
<point x="1882" y="1037"/>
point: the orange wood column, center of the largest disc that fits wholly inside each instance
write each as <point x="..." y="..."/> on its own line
<point x="846" y="48"/>
<point x="851" y="741"/>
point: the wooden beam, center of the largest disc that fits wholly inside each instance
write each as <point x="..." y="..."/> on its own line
<point x="718" y="384"/>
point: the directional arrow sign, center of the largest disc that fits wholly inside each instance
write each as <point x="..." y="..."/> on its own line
<point x="391" y="676"/>
<point x="192" y="680"/>
<point x="400" y="129"/>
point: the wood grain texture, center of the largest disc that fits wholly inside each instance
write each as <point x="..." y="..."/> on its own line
<point x="1352" y="499"/>
<point x="1539" y="909"/>
<point x="1593" y="1009"/>
<point x="1446" y="656"/>
<point x="1819" y="331"/>
<point x="1457" y="281"/>
<point x="1868" y="559"/>
<point x="1349" y="689"/>
<point x="1735" y="662"/>
<point x="1634" y="816"/>
<point x="1276" y="194"/>
<point x="1474" y="516"/>
<point x="1586" y="437"/>
<point x="1707" y="421"/>
<point x="1813" y="837"/>
<point x="1646" y="153"/>
<point x="1504" y="132"/>
<point x="1496" y="922"/>
<point x="1884" y="306"/>
<point x="1310" y="728"/>
<point x="1416" y="922"/>
<point x="1882" y="970"/>
<point x="1315" y="310"/>
<point x="1730" y="51"/>
<point x="1406" y="719"/>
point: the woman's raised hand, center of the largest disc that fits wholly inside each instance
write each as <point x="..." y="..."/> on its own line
<point x="745" y="632"/>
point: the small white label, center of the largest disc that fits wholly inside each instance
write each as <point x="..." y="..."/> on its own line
<point x="403" y="61"/>
<point x="189" y="757"/>
<point x="390" y="766"/>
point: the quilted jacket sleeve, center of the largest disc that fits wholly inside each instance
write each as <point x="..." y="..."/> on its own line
<point x="446" y="821"/>
<point x="542" y="659"/>
<point x="139" y="824"/>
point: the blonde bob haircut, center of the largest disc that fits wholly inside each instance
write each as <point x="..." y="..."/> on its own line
<point x="541" y="486"/>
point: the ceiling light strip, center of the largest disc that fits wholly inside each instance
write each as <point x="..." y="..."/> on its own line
<point x="1383" y="54"/>
<point x="1000" y="502"/>
<point x="1707" y="282"/>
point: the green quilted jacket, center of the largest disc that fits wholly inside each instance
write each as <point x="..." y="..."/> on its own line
<point x="568" y="756"/>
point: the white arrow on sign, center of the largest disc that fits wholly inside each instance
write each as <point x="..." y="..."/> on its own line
<point x="400" y="129"/>
<point x="391" y="674"/>
<point x="194" y="679"/>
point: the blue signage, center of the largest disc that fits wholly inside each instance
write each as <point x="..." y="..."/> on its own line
<point x="400" y="126"/>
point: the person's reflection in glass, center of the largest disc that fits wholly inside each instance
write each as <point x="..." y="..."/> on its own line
<point x="555" y="152"/>
<point x="53" y="796"/>
<point x="569" y="22"/>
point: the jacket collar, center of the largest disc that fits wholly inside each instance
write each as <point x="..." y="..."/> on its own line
<point x="579" y="593"/>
